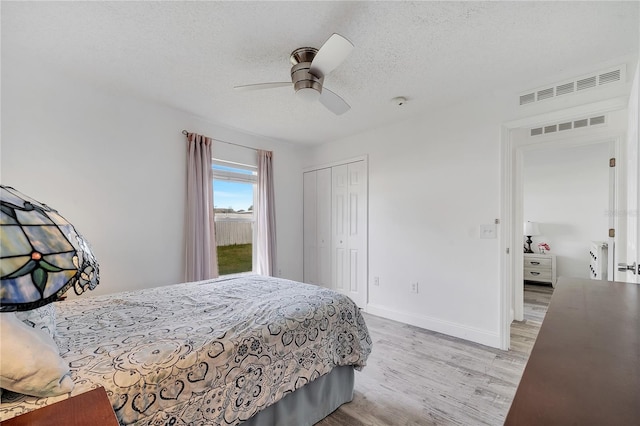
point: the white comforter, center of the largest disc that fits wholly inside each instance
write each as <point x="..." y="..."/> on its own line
<point x="210" y="352"/>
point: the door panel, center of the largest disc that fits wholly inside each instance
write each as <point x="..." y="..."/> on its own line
<point x="633" y="225"/>
<point x="340" y="268"/>
<point x="340" y="224"/>
<point x="353" y="269"/>
<point x="357" y="238"/>
<point x="323" y="228"/>
<point x="310" y="271"/>
<point x="633" y="183"/>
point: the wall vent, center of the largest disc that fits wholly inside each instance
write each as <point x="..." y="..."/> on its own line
<point x="608" y="76"/>
<point x="586" y="83"/>
<point x="568" y="125"/>
<point x="545" y="94"/>
<point x="527" y="99"/>
<point x="564" y="89"/>
<point x="580" y="123"/>
<point x="565" y="126"/>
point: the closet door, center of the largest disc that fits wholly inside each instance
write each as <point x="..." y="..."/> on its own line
<point x="323" y="227"/>
<point x="317" y="227"/>
<point x="339" y="221"/>
<point x="349" y="224"/>
<point x="310" y="245"/>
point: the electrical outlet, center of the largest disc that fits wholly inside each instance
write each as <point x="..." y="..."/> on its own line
<point x="414" y="287"/>
<point x="376" y="281"/>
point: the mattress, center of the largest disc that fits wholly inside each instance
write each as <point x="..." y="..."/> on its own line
<point x="208" y="352"/>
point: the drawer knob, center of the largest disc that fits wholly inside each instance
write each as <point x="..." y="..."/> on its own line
<point x="535" y="273"/>
<point x="535" y="263"/>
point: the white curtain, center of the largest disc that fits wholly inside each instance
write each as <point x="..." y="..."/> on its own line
<point x="201" y="261"/>
<point x="265" y="216"/>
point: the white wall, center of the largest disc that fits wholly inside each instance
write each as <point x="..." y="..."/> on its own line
<point x="115" y="167"/>
<point x="434" y="179"/>
<point x="566" y="190"/>
<point x="432" y="183"/>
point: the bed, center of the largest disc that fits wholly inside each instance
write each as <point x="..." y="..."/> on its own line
<point x="250" y="349"/>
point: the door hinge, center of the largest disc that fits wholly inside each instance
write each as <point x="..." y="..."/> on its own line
<point x="612" y="232"/>
<point x="612" y="162"/>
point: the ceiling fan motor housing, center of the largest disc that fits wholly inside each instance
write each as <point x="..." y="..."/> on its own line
<point x="300" y="76"/>
<point x="310" y="66"/>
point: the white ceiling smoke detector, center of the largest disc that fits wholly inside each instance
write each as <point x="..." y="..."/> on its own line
<point x="399" y="101"/>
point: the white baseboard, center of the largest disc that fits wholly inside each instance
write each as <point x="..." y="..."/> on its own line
<point x="483" y="337"/>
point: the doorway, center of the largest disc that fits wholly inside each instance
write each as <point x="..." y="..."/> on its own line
<point x="569" y="194"/>
<point x="515" y="142"/>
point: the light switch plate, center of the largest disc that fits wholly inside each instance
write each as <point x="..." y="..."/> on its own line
<point x="488" y="231"/>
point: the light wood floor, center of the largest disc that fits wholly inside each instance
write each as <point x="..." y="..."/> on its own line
<point x="419" y="377"/>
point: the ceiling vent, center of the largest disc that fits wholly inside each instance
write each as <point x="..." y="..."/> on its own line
<point x="568" y="125"/>
<point x="591" y="81"/>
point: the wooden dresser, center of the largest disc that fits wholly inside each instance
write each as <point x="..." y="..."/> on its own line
<point x="584" y="368"/>
<point x="91" y="408"/>
<point x="540" y="268"/>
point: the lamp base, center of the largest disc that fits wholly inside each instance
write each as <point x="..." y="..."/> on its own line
<point x="527" y="249"/>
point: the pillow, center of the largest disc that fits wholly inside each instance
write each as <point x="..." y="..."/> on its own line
<point x="30" y="362"/>
<point x="43" y="318"/>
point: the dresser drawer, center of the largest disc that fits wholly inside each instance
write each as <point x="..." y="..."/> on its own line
<point x="540" y="268"/>
<point x="537" y="262"/>
<point x="537" y="274"/>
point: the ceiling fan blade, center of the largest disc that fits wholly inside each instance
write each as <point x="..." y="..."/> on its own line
<point x="333" y="102"/>
<point x="331" y="54"/>
<point x="261" y="86"/>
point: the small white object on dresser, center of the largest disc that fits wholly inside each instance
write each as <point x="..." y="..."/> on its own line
<point x="540" y="268"/>
<point x="598" y="260"/>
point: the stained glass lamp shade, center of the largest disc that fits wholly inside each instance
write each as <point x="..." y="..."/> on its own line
<point x="42" y="255"/>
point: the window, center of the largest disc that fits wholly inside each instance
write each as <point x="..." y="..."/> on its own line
<point x="234" y="188"/>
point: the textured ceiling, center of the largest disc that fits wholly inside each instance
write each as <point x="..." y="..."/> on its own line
<point x="190" y="54"/>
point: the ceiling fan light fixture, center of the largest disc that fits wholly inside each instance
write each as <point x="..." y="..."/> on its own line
<point x="308" y="94"/>
<point x="309" y="67"/>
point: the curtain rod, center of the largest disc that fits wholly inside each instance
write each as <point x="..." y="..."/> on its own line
<point x="184" y="132"/>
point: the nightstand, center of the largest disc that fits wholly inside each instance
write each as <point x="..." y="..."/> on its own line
<point x="540" y="268"/>
<point x="89" y="408"/>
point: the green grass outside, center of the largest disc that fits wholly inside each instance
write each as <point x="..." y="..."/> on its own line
<point x="234" y="259"/>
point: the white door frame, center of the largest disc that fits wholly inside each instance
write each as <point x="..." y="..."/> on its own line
<point x="512" y="148"/>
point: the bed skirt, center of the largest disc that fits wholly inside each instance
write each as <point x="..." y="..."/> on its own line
<point x="311" y="403"/>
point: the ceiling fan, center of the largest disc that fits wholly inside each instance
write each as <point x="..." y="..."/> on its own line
<point x="310" y="66"/>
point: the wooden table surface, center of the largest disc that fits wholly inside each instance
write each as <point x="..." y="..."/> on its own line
<point x="86" y="409"/>
<point x="584" y="368"/>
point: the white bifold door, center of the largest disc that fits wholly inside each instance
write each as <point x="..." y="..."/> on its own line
<point x="335" y="229"/>
<point x="317" y="227"/>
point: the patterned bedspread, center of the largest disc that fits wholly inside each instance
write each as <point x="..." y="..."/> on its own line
<point x="210" y="352"/>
